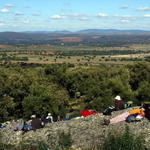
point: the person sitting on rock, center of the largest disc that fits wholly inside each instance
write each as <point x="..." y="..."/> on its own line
<point x="119" y="104"/>
<point x="19" y="125"/>
<point x="59" y="118"/>
<point x="36" y="123"/>
<point x="49" y="119"/>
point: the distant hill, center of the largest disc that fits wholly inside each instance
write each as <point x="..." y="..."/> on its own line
<point x="48" y="32"/>
<point x="98" y="37"/>
<point x="94" y="31"/>
<point x="113" y="31"/>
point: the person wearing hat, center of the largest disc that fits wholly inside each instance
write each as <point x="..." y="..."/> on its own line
<point x="49" y="118"/>
<point x="119" y="104"/>
<point x="36" y="122"/>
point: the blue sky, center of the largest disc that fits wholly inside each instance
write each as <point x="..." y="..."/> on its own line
<point x="50" y="15"/>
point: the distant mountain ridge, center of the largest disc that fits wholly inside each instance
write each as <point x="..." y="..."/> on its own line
<point x="86" y="37"/>
<point x="46" y="32"/>
<point x="113" y="31"/>
<point x="94" y="31"/>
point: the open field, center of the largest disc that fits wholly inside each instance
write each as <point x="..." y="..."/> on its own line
<point x="47" y="54"/>
<point x="117" y="59"/>
<point x="62" y="47"/>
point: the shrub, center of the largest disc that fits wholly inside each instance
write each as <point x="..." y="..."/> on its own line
<point x="6" y="147"/>
<point x="124" y="141"/>
<point x="42" y="146"/>
<point x="65" y="140"/>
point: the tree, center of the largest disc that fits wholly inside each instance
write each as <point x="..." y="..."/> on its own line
<point x="124" y="141"/>
<point x="143" y="92"/>
<point x="138" y="73"/>
<point x="44" y="98"/>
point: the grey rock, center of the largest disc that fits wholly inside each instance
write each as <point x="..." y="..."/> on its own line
<point x="86" y="132"/>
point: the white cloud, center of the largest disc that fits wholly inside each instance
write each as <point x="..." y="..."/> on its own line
<point x="124" y="7"/>
<point x="2" y="24"/>
<point x="102" y="15"/>
<point x="57" y="17"/>
<point x="124" y="21"/>
<point x="143" y="9"/>
<point x="26" y="21"/>
<point x="147" y="15"/>
<point x="35" y="14"/>
<point x="75" y="16"/>
<point x="5" y="10"/>
<point x="125" y="17"/>
<point x="1" y="21"/>
<point x="83" y="18"/>
<point x="78" y="16"/>
<point x="18" y="13"/>
<point x="9" y="5"/>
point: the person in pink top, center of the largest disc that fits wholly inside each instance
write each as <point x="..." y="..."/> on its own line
<point x="122" y="117"/>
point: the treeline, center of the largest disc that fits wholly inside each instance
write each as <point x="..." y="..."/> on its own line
<point x="74" y="52"/>
<point x="13" y="58"/>
<point x="63" y="88"/>
<point x="100" y="52"/>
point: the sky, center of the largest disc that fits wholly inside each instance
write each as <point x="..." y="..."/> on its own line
<point x="73" y="15"/>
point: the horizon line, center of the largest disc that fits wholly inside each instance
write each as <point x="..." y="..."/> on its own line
<point x="64" y="30"/>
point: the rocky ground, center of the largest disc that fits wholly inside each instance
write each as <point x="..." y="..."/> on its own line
<point x="86" y="133"/>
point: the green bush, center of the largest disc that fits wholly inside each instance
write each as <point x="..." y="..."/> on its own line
<point x="6" y="147"/>
<point x="125" y="141"/>
<point x="42" y="146"/>
<point x="65" y="140"/>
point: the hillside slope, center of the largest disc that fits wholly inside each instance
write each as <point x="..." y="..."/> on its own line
<point x="86" y="133"/>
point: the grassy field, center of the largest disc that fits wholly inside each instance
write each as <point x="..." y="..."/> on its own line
<point x="62" y="47"/>
<point x="48" y="54"/>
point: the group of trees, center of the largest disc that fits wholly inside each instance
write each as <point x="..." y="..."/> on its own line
<point x="62" y="88"/>
<point x="13" y="58"/>
<point x="100" y="52"/>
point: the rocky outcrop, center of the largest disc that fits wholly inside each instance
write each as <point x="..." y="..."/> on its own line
<point x="85" y="132"/>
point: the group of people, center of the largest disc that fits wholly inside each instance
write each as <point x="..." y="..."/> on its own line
<point x="136" y="114"/>
<point x="130" y="116"/>
<point x="33" y="124"/>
